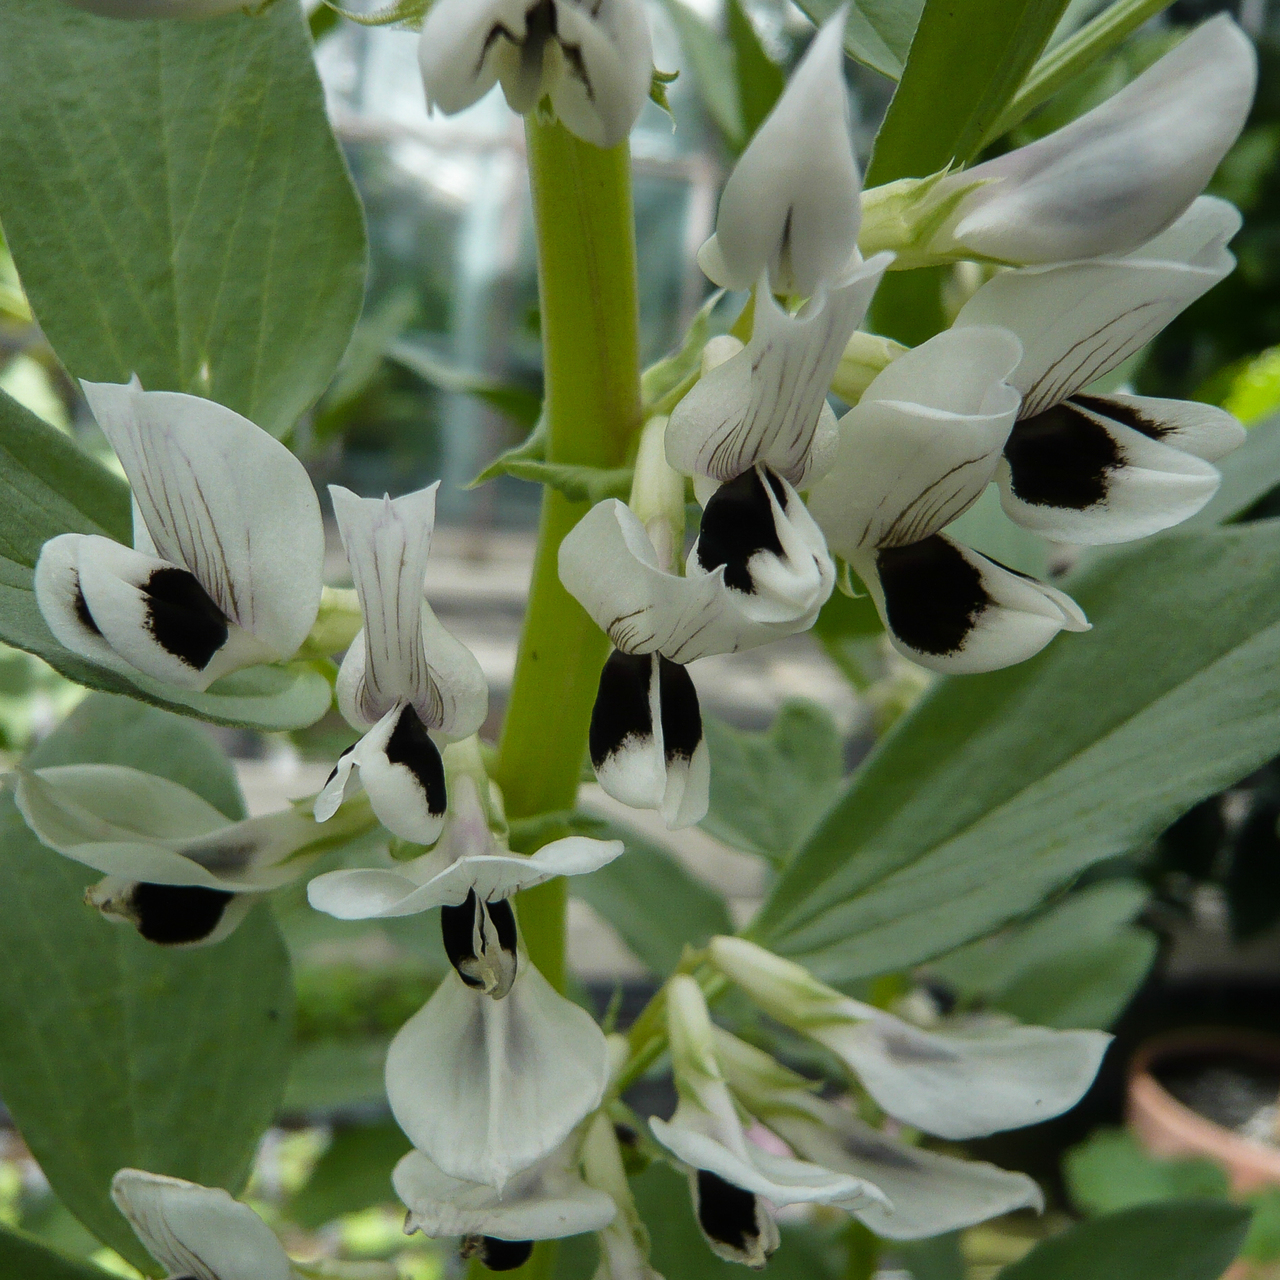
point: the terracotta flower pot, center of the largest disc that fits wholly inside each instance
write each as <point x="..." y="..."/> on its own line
<point x="1166" y="1127"/>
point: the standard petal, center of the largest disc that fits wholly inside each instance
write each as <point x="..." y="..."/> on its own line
<point x="922" y="444"/>
<point x="198" y="1231"/>
<point x="403" y="776"/>
<point x="1122" y="172"/>
<point x="463" y="47"/>
<point x="487" y="1088"/>
<point x="1077" y="473"/>
<point x="608" y="564"/>
<point x="402" y="653"/>
<point x="952" y="610"/>
<point x="773" y="555"/>
<point x="765" y="403"/>
<point x="223" y="499"/>
<point x="598" y="68"/>
<point x="1079" y="321"/>
<point x="546" y="1202"/>
<point x="791" y="204"/>
<point x="984" y="1076"/>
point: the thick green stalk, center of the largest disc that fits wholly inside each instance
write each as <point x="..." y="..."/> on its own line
<point x="591" y="367"/>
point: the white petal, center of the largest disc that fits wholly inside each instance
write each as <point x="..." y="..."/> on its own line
<point x="791" y="204"/>
<point x="773" y="554"/>
<point x="779" y="1180"/>
<point x="646" y="741"/>
<point x="1124" y="171"/>
<point x="226" y="501"/>
<point x="343" y="781"/>
<point x="407" y="655"/>
<point x="546" y="1202"/>
<point x="1078" y="321"/>
<point x="922" y="444"/>
<point x="608" y="564"/>
<point x="1076" y="475"/>
<point x="458" y="60"/>
<point x="159" y="618"/>
<point x="403" y="776"/>
<point x="1202" y="430"/>
<point x="62" y="603"/>
<point x="140" y="827"/>
<point x="198" y="1231"/>
<point x="764" y="404"/>
<point x="486" y="1088"/>
<point x="980" y="1078"/>
<point x="928" y="1193"/>
<point x="359" y="895"/>
<point x="599" y="68"/>
<point x="950" y="609"/>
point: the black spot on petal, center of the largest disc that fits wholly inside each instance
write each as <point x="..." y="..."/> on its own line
<point x="82" y="610"/>
<point x="621" y="709"/>
<point x="457" y="929"/>
<point x="411" y="746"/>
<point x="727" y="1214"/>
<point x="681" y="717"/>
<point x="932" y="594"/>
<point x="504" y="1255"/>
<point x="1127" y="413"/>
<point x="1062" y="457"/>
<point x="737" y="523"/>
<point x="173" y="914"/>
<point x="504" y="921"/>
<point x="183" y="619"/>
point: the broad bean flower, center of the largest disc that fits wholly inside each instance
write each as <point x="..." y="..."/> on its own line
<point x="593" y="61"/>
<point x="228" y="547"/>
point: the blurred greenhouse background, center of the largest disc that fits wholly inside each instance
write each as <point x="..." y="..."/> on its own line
<point x="442" y="375"/>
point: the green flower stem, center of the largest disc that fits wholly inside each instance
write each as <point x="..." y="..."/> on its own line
<point x="591" y="362"/>
<point x="591" y="367"/>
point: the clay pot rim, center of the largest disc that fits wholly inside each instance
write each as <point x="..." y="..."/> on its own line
<point x="1203" y="1041"/>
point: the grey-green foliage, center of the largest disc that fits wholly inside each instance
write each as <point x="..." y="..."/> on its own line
<point x="353" y="1174"/>
<point x="177" y="205"/>
<point x="23" y="1257"/>
<point x="768" y="790"/>
<point x="48" y="486"/>
<point x="878" y="33"/>
<point x="1111" y="1171"/>
<point x="650" y="899"/>
<point x="1000" y="787"/>
<point x="114" y="1051"/>
<point x="1075" y="965"/>
<point x="1180" y="1240"/>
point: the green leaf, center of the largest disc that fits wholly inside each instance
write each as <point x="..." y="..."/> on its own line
<point x="937" y="1258"/>
<point x="527" y="461"/>
<point x="517" y="402"/>
<point x="845" y="625"/>
<point x="768" y="790"/>
<point x="353" y="1174"/>
<point x="114" y="1051"/>
<point x="998" y="788"/>
<point x="967" y="60"/>
<point x="1111" y="1171"/>
<point x="760" y="79"/>
<point x="987" y="529"/>
<point x="1076" y="965"/>
<point x="878" y="32"/>
<point x="177" y="205"/>
<point x="711" y="60"/>
<point x="656" y="906"/>
<point x="1181" y="1240"/>
<point x="330" y="1075"/>
<point x="23" y="1257"/>
<point x="661" y="379"/>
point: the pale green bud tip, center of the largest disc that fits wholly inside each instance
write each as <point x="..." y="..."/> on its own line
<point x="465" y="759"/>
<point x="689" y="1030"/>
<point x="337" y="623"/>
<point x="657" y="493"/>
<point x="783" y="989"/>
<point x="865" y="355"/>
